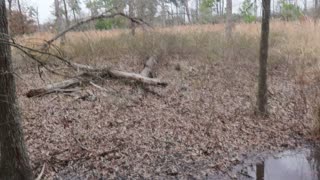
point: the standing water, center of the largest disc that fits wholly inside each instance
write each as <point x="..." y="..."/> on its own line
<point x="289" y="165"/>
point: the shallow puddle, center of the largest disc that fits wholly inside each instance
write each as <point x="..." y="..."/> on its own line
<point x="289" y="165"/>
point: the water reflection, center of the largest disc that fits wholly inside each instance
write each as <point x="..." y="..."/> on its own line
<point x="290" y="165"/>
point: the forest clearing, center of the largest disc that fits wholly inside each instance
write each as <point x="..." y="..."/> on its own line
<point x="201" y="124"/>
<point x="159" y="89"/>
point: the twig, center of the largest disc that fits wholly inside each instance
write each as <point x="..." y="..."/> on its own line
<point x="41" y="173"/>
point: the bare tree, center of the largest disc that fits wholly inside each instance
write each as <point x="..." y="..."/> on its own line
<point x="9" y="13"/>
<point x="131" y="14"/>
<point x="38" y="20"/>
<point x="262" y="99"/>
<point x="186" y="5"/>
<point x="14" y="162"/>
<point x="59" y="23"/>
<point x="305" y="6"/>
<point x="75" y="7"/>
<point x="197" y="10"/>
<point x="229" y="20"/>
<point x="66" y="13"/>
<point x="21" y="17"/>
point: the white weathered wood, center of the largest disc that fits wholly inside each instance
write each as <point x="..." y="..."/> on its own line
<point x="137" y="77"/>
<point x="148" y="67"/>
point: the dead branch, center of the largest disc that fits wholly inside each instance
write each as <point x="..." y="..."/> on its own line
<point x="41" y="173"/>
<point x="137" y="77"/>
<point x="102" y="16"/>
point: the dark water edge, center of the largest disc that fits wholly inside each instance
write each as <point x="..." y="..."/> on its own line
<point x="299" y="164"/>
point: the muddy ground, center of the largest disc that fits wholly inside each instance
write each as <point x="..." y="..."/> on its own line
<point x="198" y="127"/>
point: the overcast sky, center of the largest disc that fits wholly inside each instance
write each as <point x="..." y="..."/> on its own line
<point x="45" y="8"/>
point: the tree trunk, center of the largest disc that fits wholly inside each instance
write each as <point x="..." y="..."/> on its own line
<point x="163" y="14"/>
<point x="14" y="161"/>
<point x="131" y="14"/>
<point x="74" y="15"/>
<point x="197" y="10"/>
<point x="264" y="46"/>
<point x="255" y="9"/>
<point x="59" y="22"/>
<point x="229" y="20"/>
<point x="21" y="17"/>
<point x="66" y="14"/>
<point x="305" y="6"/>
<point x="9" y="14"/>
<point x="186" y="5"/>
<point x="38" y="20"/>
<point x="222" y="7"/>
<point x="260" y="171"/>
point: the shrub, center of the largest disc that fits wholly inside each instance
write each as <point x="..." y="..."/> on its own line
<point x="106" y="24"/>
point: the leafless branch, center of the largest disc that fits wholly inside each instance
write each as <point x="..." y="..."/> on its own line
<point x="102" y="16"/>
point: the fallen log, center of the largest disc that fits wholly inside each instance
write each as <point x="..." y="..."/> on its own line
<point x="91" y="75"/>
<point x="56" y="87"/>
<point x="137" y="77"/>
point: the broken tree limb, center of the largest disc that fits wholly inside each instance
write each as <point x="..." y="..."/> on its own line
<point x="137" y="77"/>
<point x="143" y="77"/>
<point x="148" y="67"/>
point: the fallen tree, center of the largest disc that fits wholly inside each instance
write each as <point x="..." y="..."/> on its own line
<point x="87" y="74"/>
<point x="92" y="74"/>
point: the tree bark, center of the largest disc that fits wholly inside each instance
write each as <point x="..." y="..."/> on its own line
<point x="14" y="161"/>
<point x="264" y="46"/>
<point x="229" y="20"/>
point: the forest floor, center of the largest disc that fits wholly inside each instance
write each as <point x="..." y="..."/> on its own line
<point x="198" y="127"/>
